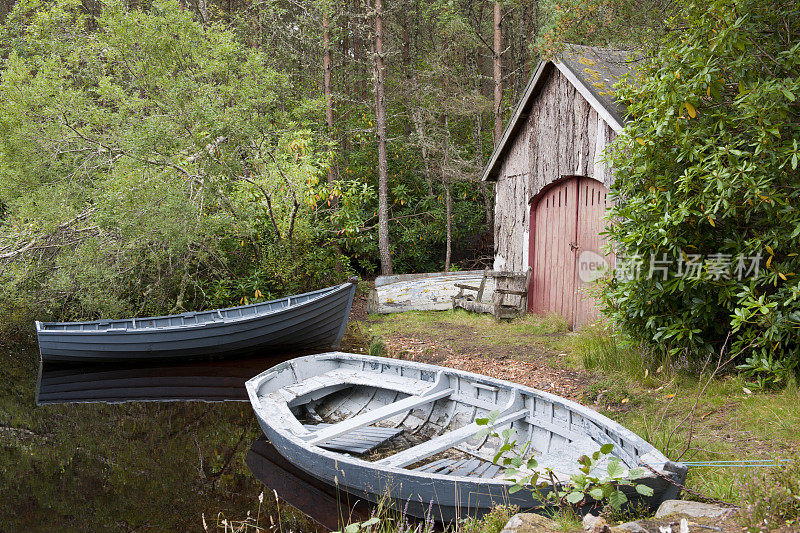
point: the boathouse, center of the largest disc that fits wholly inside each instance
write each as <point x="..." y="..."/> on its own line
<point x="551" y="182"/>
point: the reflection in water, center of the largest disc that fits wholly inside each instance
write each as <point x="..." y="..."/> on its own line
<point x="323" y="503"/>
<point x="205" y="381"/>
<point x="210" y="381"/>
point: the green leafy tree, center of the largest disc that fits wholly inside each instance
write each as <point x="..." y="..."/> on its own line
<point x="707" y="172"/>
<point x="146" y="158"/>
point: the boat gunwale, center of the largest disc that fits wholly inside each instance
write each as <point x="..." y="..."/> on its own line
<point x="252" y="385"/>
<point x="320" y="293"/>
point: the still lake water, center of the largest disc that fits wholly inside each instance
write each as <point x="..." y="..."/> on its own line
<point x="181" y="448"/>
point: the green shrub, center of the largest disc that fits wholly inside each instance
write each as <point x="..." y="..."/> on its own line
<point x="209" y="201"/>
<point x="708" y="167"/>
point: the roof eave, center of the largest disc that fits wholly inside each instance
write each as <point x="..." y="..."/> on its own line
<point x="606" y="114"/>
<point x="520" y="112"/>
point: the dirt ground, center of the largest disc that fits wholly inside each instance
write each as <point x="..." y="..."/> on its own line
<point x="526" y="360"/>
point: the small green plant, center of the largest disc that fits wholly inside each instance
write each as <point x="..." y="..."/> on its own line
<point x="582" y="487"/>
<point x="629" y="513"/>
<point x="355" y="527"/>
<point x="764" y="371"/>
<point x="377" y="348"/>
<point x="494" y="522"/>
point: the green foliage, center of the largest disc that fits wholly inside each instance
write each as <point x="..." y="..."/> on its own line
<point x="433" y="105"/>
<point x="377" y="348"/>
<point x="584" y="487"/>
<point x="150" y="164"/>
<point x="620" y="24"/>
<point x="768" y="371"/>
<point x="708" y="166"/>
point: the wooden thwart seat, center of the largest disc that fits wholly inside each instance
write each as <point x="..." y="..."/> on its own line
<point x="444" y="442"/>
<point x="464" y="468"/>
<point x="298" y="393"/>
<point x="514" y="284"/>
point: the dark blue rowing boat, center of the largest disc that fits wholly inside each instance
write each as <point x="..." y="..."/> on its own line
<point x="295" y="323"/>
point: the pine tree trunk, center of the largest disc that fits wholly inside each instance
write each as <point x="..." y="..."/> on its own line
<point x="202" y="7"/>
<point x="383" y="167"/>
<point x="448" y="203"/>
<point x="448" y="199"/>
<point x="498" y="75"/>
<point x="359" y="50"/>
<point x="326" y="67"/>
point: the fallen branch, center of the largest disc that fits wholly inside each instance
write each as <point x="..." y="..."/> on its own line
<point x="61" y="227"/>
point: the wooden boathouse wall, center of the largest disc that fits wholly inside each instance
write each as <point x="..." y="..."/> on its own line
<point x="562" y="136"/>
<point x="553" y="150"/>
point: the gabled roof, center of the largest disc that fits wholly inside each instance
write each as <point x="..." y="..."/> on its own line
<point x="593" y="71"/>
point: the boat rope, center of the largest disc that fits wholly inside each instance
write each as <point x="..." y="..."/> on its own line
<point x="745" y="463"/>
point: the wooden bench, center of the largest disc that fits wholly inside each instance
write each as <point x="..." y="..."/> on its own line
<point x="508" y="285"/>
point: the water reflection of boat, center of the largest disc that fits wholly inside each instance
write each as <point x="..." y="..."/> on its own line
<point x="380" y="426"/>
<point x="211" y="381"/>
<point x="307" y="321"/>
<point x="321" y="502"/>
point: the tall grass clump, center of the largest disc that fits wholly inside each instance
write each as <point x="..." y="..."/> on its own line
<point x="377" y="348"/>
<point x="599" y="348"/>
<point x="494" y="522"/>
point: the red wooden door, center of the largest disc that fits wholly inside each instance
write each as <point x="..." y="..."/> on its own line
<point x="591" y="263"/>
<point x="565" y="251"/>
<point x="551" y="258"/>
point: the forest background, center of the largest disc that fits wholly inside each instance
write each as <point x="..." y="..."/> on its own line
<point x="164" y="156"/>
<point x="176" y="155"/>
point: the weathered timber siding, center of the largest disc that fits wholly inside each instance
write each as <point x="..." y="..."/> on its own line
<point x="562" y="136"/>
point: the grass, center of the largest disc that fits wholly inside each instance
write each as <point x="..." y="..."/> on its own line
<point x="772" y="500"/>
<point x="598" y="347"/>
<point x="527" y="325"/>
<point x="697" y="418"/>
<point x="467" y="331"/>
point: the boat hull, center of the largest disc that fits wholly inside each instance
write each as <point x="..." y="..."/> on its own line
<point x="426" y="495"/>
<point x="319" y="321"/>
